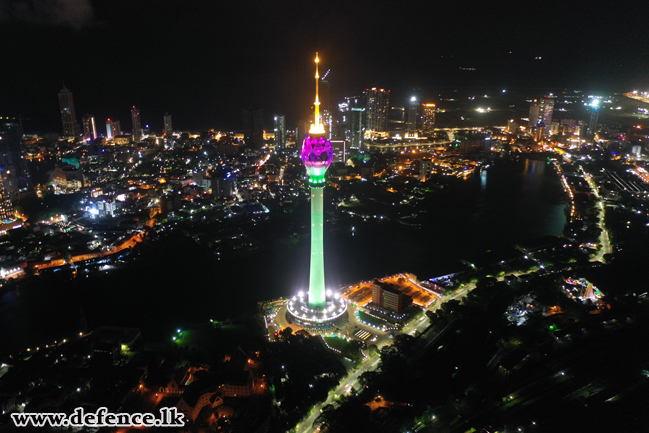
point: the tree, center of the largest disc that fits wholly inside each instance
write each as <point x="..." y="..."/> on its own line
<point x="286" y="333"/>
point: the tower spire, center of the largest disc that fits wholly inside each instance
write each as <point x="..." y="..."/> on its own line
<point x="317" y="127"/>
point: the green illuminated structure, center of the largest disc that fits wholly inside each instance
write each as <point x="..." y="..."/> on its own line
<point x="317" y="155"/>
<point x="322" y="308"/>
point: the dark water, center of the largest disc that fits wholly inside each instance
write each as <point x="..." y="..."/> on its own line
<point x="179" y="282"/>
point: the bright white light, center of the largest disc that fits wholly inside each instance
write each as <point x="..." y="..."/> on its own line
<point x="413" y="99"/>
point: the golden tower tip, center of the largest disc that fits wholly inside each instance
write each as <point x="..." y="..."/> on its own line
<point x="317" y="127"/>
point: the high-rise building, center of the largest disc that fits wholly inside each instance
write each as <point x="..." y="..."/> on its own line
<point x="167" y="124"/>
<point x="113" y="128"/>
<point x="429" y="118"/>
<point x="352" y="121"/>
<point x="541" y="113"/>
<point x="68" y="115"/>
<point x="547" y="109"/>
<point x="89" y="127"/>
<point x="397" y="121"/>
<point x="137" y="126"/>
<point x="253" y="129"/>
<point x="12" y="159"/>
<point x="413" y="116"/>
<point x="593" y="107"/>
<point x="6" y="209"/>
<point x="377" y="101"/>
<point x="340" y="150"/>
<point x="321" y="308"/>
<point x="280" y="131"/>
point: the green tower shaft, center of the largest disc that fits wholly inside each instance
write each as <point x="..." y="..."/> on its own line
<point x="317" y="295"/>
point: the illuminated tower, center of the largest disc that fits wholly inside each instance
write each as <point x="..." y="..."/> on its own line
<point x="317" y="155"/>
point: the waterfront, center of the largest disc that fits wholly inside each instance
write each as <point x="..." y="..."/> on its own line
<point x="509" y="202"/>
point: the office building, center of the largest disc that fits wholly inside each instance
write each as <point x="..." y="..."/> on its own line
<point x="223" y="183"/>
<point x="541" y="111"/>
<point x="387" y="296"/>
<point x="68" y="115"/>
<point x="12" y="159"/>
<point x="413" y="116"/>
<point x="68" y="178"/>
<point x="280" y="131"/>
<point x="167" y="126"/>
<point x="113" y="129"/>
<point x="377" y="102"/>
<point x="137" y="126"/>
<point x="352" y="121"/>
<point x="89" y="127"/>
<point x="6" y="209"/>
<point x="340" y="150"/>
<point x="397" y="121"/>
<point x="253" y="129"/>
<point x="512" y="127"/>
<point x="429" y="118"/>
<point x="593" y="108"/>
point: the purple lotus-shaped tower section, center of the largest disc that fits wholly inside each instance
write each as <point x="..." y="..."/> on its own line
<point x="317" y="152"/>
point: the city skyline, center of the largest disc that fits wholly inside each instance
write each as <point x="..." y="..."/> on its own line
<point x="476" y="50"/>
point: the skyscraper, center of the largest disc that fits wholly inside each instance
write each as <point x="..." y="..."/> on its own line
<point x="168" y="128"/>
<point x="68" y="115"/>
<point x="12" y="159"/>
<point x="320" y="309"/>
<point x="593" y="107"/>
<point x="397" y="121"/>
<point x="377" y="101"/>
<point x="541" y="113"/>
<point x="89" y="127"/>
<point x="413" y="116"/>
<point x="6" y="209"/>
<point x="113" y="128"/>
<point x="137" y="126"/>
<point x="253" y="129"/>
<point x="429" y="118"/>
<point x="534" y="113"/>
<point x="352" y="122"/>
<point x="547" y="109"/>
<point x="280" y="131"/>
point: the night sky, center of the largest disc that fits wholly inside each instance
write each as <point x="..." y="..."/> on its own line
<point x="205" y="60"/>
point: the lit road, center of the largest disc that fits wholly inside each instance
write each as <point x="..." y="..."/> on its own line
<point x="603" y="238"/>
<point x="350" y="382"/>
<point x="372" y="363"/>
